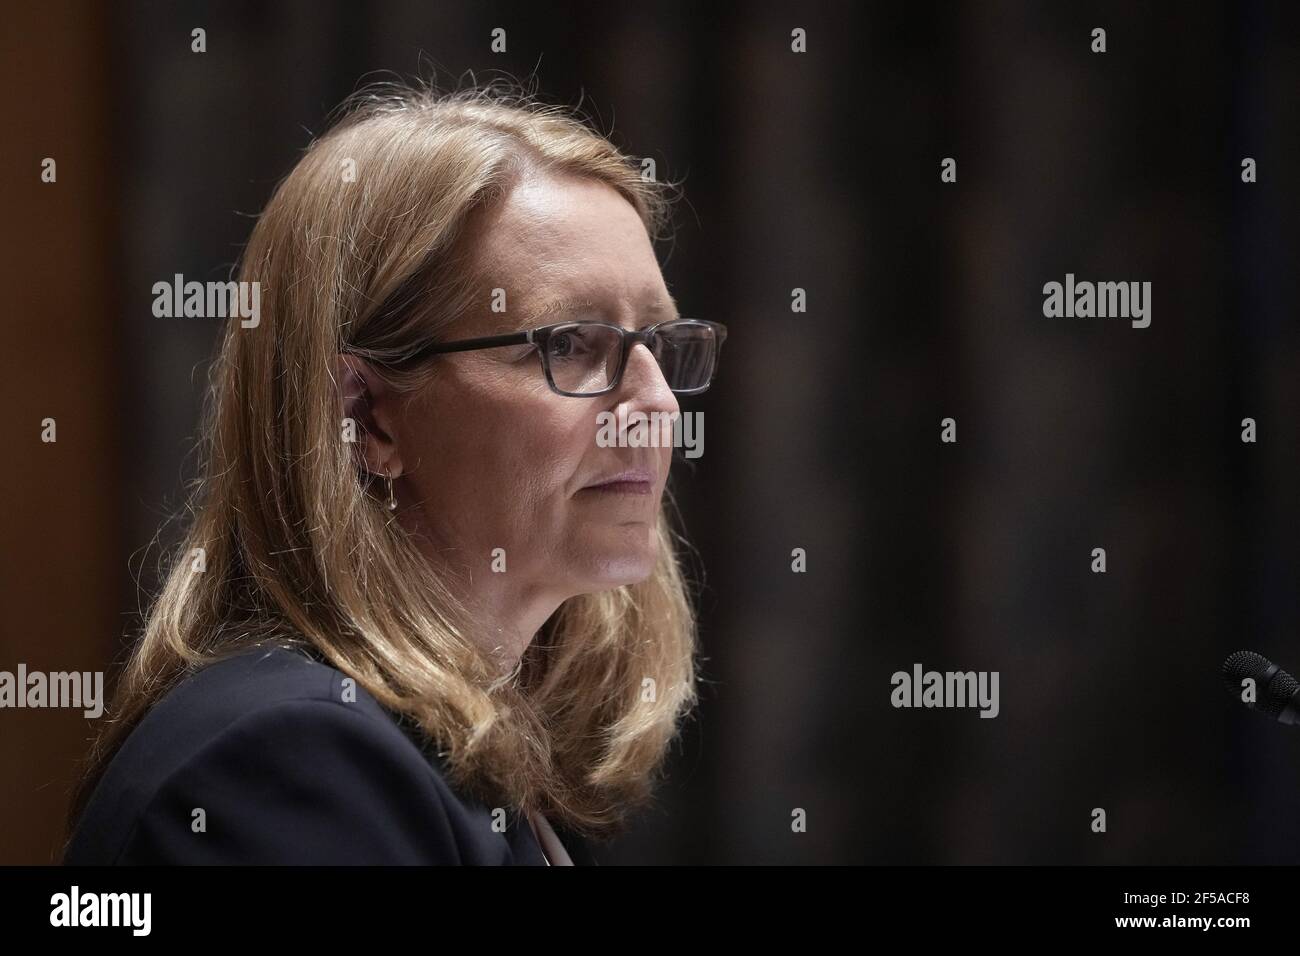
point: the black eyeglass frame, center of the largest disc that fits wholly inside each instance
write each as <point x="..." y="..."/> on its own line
<point x="540" y="337"/>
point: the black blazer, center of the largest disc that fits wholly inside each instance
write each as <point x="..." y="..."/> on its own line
<point x="286" y="771"/>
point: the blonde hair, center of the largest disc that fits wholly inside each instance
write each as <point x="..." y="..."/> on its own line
<point x="300" y="551"/>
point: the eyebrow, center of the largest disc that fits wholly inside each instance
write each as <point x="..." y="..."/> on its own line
<point x="575" y="303"/>
<point x="558" y="306"/>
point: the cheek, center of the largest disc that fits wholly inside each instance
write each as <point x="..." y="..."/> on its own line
<point x="506" y="454"/>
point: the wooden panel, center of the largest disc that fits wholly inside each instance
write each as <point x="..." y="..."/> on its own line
<point x="63" y="562"/>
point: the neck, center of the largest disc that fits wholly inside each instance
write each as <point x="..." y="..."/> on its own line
<point x="505" y="610"/>
<point x="507" y="616"/>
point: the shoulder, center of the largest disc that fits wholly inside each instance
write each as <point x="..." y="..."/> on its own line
<point x="271" y="756"/>
<point x="255" y="683"/>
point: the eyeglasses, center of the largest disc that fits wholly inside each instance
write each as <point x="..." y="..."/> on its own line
<point x="582" y="359"/>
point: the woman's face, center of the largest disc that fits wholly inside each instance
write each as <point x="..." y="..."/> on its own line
<point x="491" y="458"/>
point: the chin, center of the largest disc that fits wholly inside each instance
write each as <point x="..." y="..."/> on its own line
<point x="623" y="555"/>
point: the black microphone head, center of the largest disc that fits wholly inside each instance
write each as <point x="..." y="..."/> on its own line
<point x="1272" y="694"/>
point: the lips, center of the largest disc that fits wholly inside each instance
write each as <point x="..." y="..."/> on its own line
<point x="631" y="481"/>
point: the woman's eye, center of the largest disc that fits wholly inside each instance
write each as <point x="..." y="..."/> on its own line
<point x="561" y="345"/>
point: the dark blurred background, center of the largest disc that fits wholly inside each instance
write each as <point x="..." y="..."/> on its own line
<point x="820" y="171"/>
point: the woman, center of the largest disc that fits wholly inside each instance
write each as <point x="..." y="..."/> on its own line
<point x="422" y="614"/>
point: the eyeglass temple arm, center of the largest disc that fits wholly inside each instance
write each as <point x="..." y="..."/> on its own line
<point x="467" y="345"/>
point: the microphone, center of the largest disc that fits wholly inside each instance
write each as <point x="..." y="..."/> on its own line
<point x="1277" y="693"/>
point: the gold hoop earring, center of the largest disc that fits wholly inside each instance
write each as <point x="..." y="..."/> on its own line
<point x="392" y="502"/>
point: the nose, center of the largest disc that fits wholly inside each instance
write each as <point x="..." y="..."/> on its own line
<point x="644" y="387"/>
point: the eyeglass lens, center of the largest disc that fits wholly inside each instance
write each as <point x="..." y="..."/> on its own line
<point x="584" y="357"/>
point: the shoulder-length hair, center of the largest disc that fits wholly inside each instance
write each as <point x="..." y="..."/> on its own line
<point x="358" y="250"/>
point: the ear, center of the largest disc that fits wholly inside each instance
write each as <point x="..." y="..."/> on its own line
<point x="364" y="398"/>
